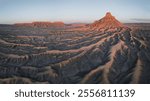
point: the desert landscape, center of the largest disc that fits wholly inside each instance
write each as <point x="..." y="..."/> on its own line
<point x="103" y="52"/>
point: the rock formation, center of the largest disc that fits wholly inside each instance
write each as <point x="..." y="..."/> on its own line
<point x="48" y="55"/>
<point x="106" y="22"/>
<point x="41" y="24"/>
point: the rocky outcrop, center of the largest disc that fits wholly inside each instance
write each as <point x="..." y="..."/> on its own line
<point x="106" y="22"/>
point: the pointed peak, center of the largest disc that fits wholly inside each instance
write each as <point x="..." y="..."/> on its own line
<point x="108" y="21"/>
<point x="108" y="14"/>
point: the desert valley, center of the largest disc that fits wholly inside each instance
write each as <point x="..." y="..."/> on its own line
<point x="103" y="52"/>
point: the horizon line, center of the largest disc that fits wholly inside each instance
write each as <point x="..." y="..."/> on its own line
<point x="61" y="21"/>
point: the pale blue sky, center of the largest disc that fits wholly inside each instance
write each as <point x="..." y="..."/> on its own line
<point x="69" y="11"/>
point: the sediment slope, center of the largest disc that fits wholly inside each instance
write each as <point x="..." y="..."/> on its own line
<point x="64" y="56"/>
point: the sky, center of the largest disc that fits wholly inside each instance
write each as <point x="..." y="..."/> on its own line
<point x="72" y="11"/>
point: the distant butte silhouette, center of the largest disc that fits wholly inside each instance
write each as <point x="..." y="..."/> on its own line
<point x="107" y="22"/>
<point x="41" y="24"/>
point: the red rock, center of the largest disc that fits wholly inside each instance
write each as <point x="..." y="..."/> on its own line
<point x="106" y="22"/>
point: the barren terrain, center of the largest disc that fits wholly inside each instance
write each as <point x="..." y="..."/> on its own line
<point x="115" y="55"/>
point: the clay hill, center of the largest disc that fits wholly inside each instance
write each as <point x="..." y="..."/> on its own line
<point x="41" y="24"/>
<point x="64" y="55"/>
<point x="108" y="21"/>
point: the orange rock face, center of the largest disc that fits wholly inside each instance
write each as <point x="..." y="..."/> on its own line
<point x="106" y="22"/>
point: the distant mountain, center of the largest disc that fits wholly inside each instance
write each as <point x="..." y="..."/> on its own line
<point x="106" y="22"/>
<point x="42" y="24"/>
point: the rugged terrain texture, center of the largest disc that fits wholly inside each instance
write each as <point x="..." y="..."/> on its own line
<point x="116" y="54"/>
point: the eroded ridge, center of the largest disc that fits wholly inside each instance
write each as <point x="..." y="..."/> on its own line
<point x="113" y="54"/>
